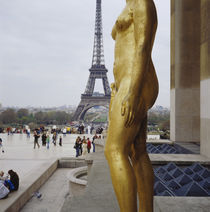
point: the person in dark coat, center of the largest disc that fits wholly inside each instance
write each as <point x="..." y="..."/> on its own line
<point x="36" y="137"/>
<point x="13" y="182"/>
<point x="77" y="146"/>
<point x="60" y="141"/>
<point x="44" y="138"/>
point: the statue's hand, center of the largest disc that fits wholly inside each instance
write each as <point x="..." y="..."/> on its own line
<point x="128" y="109"/>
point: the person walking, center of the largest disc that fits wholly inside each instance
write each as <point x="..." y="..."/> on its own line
<point x="36" y="138"/>
<point x="84" y="147"/>
<point x="54" y="138"/>
<point x="44" y="137"/>
<point x="60" y="141"/>
<point x="28" y="131"/>
<point x="81" y="144"/>
<point x="64" y="132"/>
<point x="48" y="141"/>
<point x="77" y="146"/>
<point x="88" y="145"/>
<point x="93" y="142"/>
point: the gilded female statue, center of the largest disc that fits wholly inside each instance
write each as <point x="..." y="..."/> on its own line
<point x="133" y="93"/>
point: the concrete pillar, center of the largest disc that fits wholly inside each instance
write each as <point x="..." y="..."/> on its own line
<point x="205" y="77"/>
<point x="185" y="70"/>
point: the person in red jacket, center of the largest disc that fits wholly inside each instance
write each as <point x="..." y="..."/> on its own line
<point x="88" y="145"/>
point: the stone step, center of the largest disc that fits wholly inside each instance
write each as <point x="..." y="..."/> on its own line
<point x="32" y="183"/>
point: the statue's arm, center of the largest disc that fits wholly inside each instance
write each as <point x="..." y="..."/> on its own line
<point x="145" y="22"/>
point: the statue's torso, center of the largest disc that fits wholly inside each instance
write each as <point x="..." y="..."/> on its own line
<point x="125" y="50"/>
<point x="124" y="47"/>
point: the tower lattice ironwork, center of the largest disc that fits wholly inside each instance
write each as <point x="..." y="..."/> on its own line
<point x="97" y="71"/>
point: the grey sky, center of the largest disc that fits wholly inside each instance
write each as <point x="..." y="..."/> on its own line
<point x="46" y="49"/>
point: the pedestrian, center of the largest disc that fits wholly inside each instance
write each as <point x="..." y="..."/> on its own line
<point x="93" y="142"/>
<point x="84" y="147"/>
<point x="8" y="130"/>
<point x="88" y="128"/>
<point x="44" y="137"/>
<point x="81" y="144"/>
<point x="77" y="146"/>
<point x="28" y="131"/>
<point x="79" y="129"/>
<point x="54" y="138"/>
<point x="48" y="141"/>
<point x="88" y="145"/>
<point x="91" y="129"/>
<point x="36" y="137"/>
<point x="60" y="141"/>
<point x="1" y="146"/>
<point x="64" y="132"/>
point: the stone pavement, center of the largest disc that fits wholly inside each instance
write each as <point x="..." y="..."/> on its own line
<point x="192" y="146"/>
<point x="18" y="146"/>
<point x="99" y="195"/>
<point x="34" y="166"/>
<point x="28" y="185"/>
<point x="20" y="156"/>
<point x="53" y="193"/>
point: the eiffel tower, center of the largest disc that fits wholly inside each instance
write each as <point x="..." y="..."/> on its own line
<point x="97" y="71"/>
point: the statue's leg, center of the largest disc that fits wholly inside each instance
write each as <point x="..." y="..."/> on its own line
<point x="118" y="143"/>
<point x="143" y="170"/>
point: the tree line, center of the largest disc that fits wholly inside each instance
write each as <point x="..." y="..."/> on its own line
<point x="161" y="120"/>
<point x="24" y="117"/>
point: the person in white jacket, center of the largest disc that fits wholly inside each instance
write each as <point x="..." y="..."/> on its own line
<point x="84" y="147"/>
<point x="4" y="191"/>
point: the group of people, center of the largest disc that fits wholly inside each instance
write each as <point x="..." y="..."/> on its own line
<point x="46" y="139"/>
<point x="86" y="129"/>
<point x="83" y="145"/>
<point x="8" y="183"/>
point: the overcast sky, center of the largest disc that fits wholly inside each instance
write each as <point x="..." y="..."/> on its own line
<point x="46" y="49"/>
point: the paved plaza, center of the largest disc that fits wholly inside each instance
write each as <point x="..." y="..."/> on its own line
<point x="53" y="192"/>
<point x="20" y="155"/>
<point x="39" y="166"/>
<point x="31" y="163"/>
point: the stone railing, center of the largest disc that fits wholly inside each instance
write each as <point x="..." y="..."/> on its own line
<point x="76" y="184"/>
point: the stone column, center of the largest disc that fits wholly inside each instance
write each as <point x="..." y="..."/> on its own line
<point x="205" y="77"/>
<point x="185" y="70"/>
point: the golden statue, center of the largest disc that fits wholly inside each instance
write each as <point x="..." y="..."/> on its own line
<point x="133" y="93"/>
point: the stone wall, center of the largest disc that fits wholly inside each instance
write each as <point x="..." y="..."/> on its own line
<point x="185" y="70"/>
<point x="205" y="77"/>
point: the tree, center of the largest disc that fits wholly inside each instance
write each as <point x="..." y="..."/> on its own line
<point x="165" y="125"/>
<point x="39" y="117"/>
<point x="22" y="112"/>
<point x="9" y="116"/>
